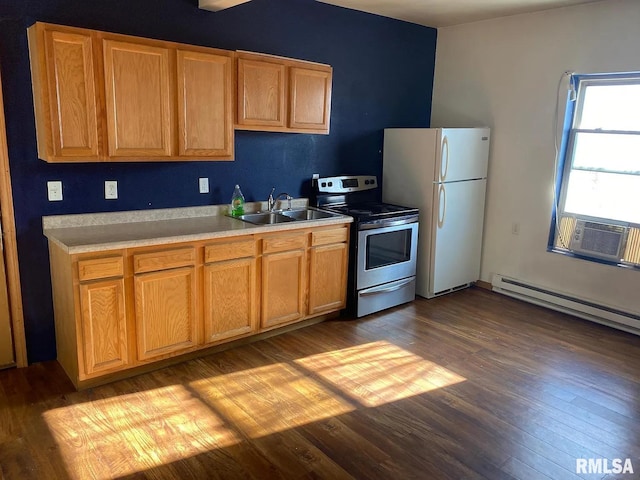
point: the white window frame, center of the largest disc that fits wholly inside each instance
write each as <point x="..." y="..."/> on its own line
<point x="561" y="238"/>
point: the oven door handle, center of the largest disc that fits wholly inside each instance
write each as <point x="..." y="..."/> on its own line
<point x="393" y="288"/>
<point x="388" y="223"/>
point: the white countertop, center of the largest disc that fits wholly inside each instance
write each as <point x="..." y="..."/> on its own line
<point x="108" y="231"/>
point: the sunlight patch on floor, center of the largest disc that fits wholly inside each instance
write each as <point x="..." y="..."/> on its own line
<point x="121" y="435"/>
<point x="124" y="434"/>
<point x="379" y="372"/>
<point x="264" y="400"/>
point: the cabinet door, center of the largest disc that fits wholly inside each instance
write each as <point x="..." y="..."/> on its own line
<point x="310" y="99"/>
<point x="64" y="94"/>
<point x="205" y="116"/>
<point x="261" y="93"/>
<point x="229" y="299"/>
<point x="327" y="277"/>
<point x="283" y="287"/>
<point x="104" y="326"/>
<point x="165" y="312"/>
<point x="138" y="99"/>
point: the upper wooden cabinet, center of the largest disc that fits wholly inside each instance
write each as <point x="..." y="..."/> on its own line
<point x="138" y="98"/>
<point x="283" y="95"/>
<point x="309" y="99"/>
<point x="106" y="97"/>
<point x="261" y="93"/>
<point x="64" y="88"/>
<point x="205" y="97"/>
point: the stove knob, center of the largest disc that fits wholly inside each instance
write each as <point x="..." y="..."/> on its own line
<point x="331" y="184"/>
<point x="324" y="184"/>
<point x="366" y="182"/>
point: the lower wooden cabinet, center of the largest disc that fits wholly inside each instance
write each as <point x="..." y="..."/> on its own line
<point x="283" y="278"/>
<point x="165" y="301"/>
<point x="93" y="331"/>
<point x="121" y="309"/>
<point x="327" y="277"/>
<point x="229" y="299"/>
<point x="165" y="312"/>
<point x="283" y="288"/>
<point x="103" y="329"/>
<point x="104" y="326"/>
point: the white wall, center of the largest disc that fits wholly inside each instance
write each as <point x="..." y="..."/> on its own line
<point x="504" y="73"/>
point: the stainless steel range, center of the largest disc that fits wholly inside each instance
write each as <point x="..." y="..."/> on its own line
<point x="384" y="239"/>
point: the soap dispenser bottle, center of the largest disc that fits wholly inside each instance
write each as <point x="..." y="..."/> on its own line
<point x="237" y="202"/>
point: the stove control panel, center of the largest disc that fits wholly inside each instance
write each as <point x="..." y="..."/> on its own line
<point x="346" y="183"/>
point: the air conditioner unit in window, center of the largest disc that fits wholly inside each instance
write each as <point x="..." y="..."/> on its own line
<point x="598" y="239"/>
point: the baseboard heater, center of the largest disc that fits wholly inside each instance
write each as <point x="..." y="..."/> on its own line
<point x="565" y="303"/>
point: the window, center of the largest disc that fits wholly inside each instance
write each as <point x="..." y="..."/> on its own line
<point x="598" y="192"/>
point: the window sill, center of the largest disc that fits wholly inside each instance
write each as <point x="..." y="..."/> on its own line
<point x="590" y="258"/>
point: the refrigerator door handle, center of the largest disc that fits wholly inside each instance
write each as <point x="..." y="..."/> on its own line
<point x="442" y="205"/>
<point x="444" y="160"/>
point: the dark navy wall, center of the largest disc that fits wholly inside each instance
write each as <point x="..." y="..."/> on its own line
<point x="383" y="74"/>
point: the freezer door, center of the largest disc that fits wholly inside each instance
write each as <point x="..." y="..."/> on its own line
<point x="456" y="234"/>
<point x="463" y="154"/>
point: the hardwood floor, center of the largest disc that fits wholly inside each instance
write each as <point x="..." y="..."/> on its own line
<point x="471" y="385"/>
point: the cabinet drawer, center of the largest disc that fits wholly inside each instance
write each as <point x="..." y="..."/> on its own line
<point x="95" y="268"/>
<point x="230" y="250"/>
<point x="149" y="262"/>
<point x="283" y="243"/>
<point x="333" y="235"/>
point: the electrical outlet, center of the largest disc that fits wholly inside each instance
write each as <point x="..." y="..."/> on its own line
<point x="54" y="190"/>
<point x="110" y="189"/>
<point x="203" y="185"/>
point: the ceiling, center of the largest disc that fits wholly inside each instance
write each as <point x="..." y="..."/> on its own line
<point x="443" y="13"/>
<point x="432" y="13"/>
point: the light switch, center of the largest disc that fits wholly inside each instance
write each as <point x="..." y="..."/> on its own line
<point x="203" y="183"/>
<point x="54" y="190"/>
<point x="110" y="189"/>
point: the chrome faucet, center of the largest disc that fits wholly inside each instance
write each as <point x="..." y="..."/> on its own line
<point x="271" y="202"/>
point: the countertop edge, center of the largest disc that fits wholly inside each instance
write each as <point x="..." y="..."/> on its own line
<point x="246" y="229"/>
<point x="50" y="222"/>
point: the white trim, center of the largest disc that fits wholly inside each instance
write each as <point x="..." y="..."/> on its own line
<point x="567" y="303"/>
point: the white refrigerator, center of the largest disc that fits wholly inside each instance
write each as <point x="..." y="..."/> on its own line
<point x="443" y="172"/>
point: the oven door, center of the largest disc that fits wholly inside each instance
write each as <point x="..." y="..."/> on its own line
<point x="386" y="254"/>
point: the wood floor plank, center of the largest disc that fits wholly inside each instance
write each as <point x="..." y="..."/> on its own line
<point x="523" y="471"/>
<point x="518" y="402"/>
<point x="469" y="385"/>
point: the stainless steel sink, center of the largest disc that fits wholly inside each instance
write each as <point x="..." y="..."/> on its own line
<point x="307" y="214"/>
<point x="284" y="216"/>
<point x="265" y="218"/>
